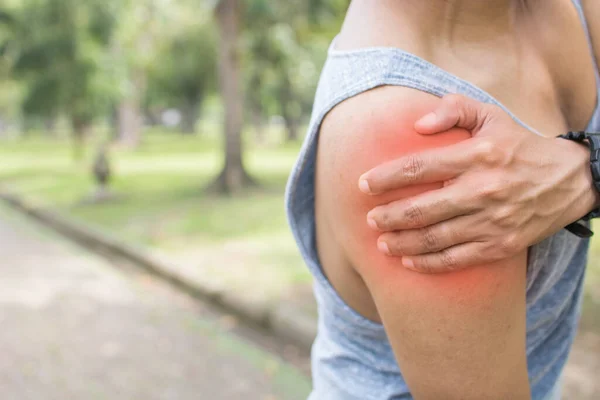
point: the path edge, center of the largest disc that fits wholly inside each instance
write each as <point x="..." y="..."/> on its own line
<point x="282" y="319"/>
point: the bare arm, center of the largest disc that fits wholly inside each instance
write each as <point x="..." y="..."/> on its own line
<point x="459" y="335"/>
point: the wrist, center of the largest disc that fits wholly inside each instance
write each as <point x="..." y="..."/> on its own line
<point x="587" y="197"/>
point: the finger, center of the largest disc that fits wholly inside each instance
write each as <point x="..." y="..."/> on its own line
<point x="454" y="111"/>
<point x="422" y="210"/>
<point x="431" y="239"/>
<point x="452" y="259"/>
<point x="435" y="165"/>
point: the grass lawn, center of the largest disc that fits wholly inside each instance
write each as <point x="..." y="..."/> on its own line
<point x="161" y="199"/>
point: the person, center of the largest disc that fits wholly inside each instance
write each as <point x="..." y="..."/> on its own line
<point x="431" y="196"/>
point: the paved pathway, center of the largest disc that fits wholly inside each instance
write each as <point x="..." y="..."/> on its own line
<point x="76" y="327"/>
<point x="73" y="326"/>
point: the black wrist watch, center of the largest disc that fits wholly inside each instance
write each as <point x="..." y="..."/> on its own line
<point x="593" y="142"/>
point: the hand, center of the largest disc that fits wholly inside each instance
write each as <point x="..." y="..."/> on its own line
<point x="504" y="190"/>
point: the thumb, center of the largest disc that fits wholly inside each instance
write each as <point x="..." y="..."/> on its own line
<point x="454" y="111"/>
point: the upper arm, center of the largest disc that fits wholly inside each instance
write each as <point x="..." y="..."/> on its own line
<point x="456" y="335"/>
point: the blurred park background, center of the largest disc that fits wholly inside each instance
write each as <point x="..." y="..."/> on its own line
<point x="195" y="112"/>
<point x="173" y="124"/>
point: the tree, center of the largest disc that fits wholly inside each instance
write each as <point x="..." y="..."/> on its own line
<point x="195" y="72"/>
<point x="132" y="50"/>
<point x="6" y="25"/>
<point x="282" y="66"/>
<point x="187" y="72"/>
<point x="60" y="54"/>
<point x="6" y="22"/>
<point x="229" y="14"/>
<point x="233" y="177"/>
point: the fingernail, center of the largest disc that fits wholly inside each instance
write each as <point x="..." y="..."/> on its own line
<point x="408" y="263"/>
<point x="428" y="119"/>
<point x="372" y="223"/>
<point x="363" y="185"/>
<point x="383" y="247"/>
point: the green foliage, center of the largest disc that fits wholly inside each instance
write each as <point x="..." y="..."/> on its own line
<point x="80" y="59"/>
<point x="282" y="46"/>
<point x="6" y="22"/>
<point x="60" y="51"/>
<point x="186" y="73"/>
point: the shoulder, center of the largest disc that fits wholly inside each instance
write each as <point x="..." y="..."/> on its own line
<point x="377" y="122"/>
<point x="362" y="132"/>
<point x="370" y="129"/>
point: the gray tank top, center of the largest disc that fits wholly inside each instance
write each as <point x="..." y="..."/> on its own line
<point x="351" y="356"/>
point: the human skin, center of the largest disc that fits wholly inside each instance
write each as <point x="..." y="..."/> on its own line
<point x="526" y="214"/>
<point x="459" y="334"/>
<point x="506" y="189"/>
<point x="446" y="328"/>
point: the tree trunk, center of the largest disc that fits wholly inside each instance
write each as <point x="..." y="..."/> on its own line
<point x="29" y="125"/>
<point x="3" y="127"/>
<point x="79" y="128"/>
<point x="152" y="116"/>
<point x="291" y="126"/>
<point x="258" y="122"/>
<point x="115" y="133"/>
<point x="130" y="113"/>
<point x="50" y="125"/>
<point x="233" y="177"/>
<point x="285" y="99"/>
<point x="189" y="117"/>
<point x="129" y="123"/>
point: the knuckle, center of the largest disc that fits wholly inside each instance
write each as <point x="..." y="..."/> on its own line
<point x="504" y="217"/>
<point x="430" y="240"/>
<point x="487" y="152"/>
<point x="425" y="267"/>
<point x="412" y="168"/>
<point x="414" y="215"/>
<point x="394" y="243"/>
<point x="449" y="260"/>
<point x="492" y="189"/>
<point x="460" y="107"/>
<point x="489" y="113"/>
<point x="510" y="245"/>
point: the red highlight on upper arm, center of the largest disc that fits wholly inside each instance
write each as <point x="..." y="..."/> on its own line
<point x="386" y="136"/>
<point x="389" y="134"/>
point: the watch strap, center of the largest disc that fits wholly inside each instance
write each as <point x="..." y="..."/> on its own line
<point x="593" y="142"/>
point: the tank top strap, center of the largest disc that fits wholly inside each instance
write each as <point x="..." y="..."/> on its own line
<point x="379" y="66"/>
